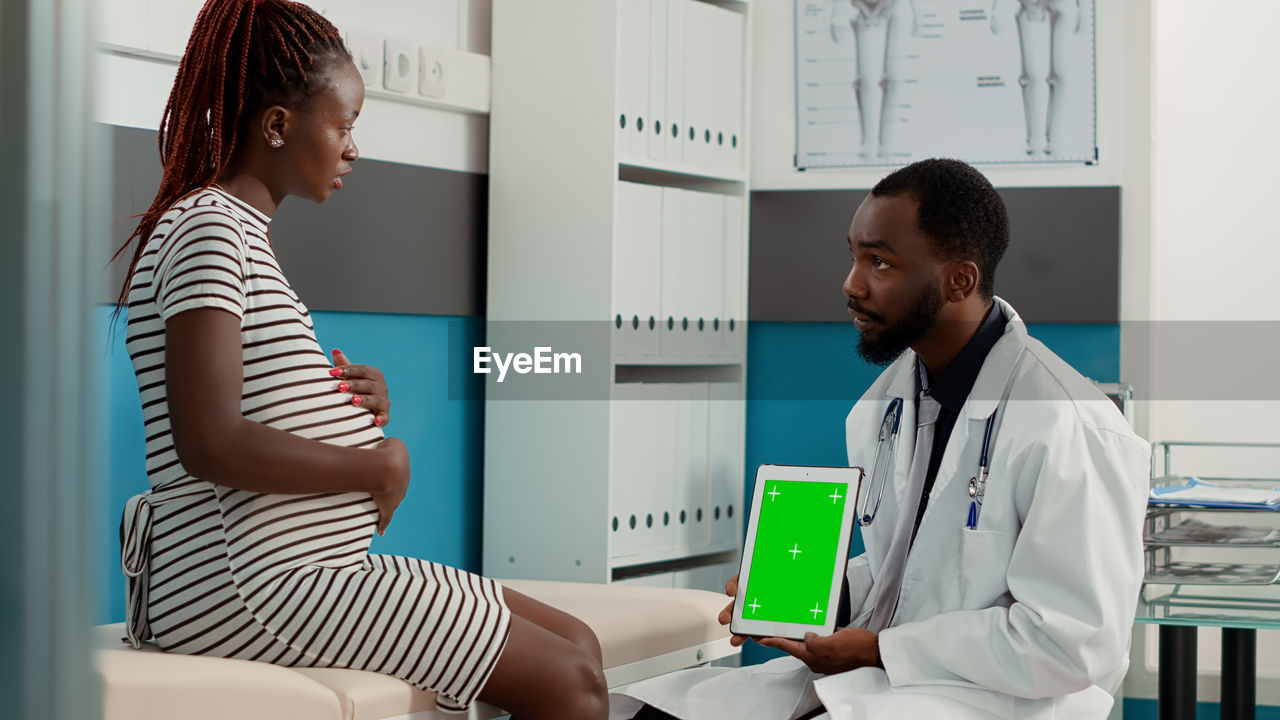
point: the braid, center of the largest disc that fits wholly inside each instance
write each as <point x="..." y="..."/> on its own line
<point x="243" y="57"/>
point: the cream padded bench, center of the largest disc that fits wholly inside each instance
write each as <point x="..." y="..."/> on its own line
<point x="643" y="632"/>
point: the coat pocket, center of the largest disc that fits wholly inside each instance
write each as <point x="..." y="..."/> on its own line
<point x="984" y="564"/>
<point x="858" y="575"/>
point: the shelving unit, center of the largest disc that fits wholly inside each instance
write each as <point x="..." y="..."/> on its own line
<point x="1211" y="567"/>
<point x="617" y="230"/>
<point x="1194" y="545"/>
<point x="1212" y="546"/>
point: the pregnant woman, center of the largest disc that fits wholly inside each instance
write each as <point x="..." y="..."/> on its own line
<point x="268" y="466"/>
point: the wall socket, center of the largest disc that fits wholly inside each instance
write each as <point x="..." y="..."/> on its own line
<point x="366" y="50"/>
<point x="397" y="64"/>
<point x="398" y="72"/>
<point x="432" y="77"/>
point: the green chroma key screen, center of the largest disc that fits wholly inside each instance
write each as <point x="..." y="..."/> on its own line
<point x="793" y="559"/>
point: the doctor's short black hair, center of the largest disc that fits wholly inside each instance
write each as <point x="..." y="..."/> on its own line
<point x="960" y="212"/>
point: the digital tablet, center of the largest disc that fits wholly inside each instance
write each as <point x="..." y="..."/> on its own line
<point x="797" y="546"/>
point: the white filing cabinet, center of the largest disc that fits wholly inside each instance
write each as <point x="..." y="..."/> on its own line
<point x="618" y="217"/>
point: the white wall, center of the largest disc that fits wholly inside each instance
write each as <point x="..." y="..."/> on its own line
<point x="1214" y="248"/>
<point x="1216" y="101"/>
<point x="144" y="37"/>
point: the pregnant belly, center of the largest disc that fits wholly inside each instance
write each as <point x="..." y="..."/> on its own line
<point x="306" y="401"/>
<point x="268" y="534"/>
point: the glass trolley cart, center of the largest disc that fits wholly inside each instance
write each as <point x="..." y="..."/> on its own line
<point x="1212" y="549"/>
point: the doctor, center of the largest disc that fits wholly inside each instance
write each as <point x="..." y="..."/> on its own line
<point x="1002" y="587"/>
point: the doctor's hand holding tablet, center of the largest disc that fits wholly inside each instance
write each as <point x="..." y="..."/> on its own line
<point x="793" y="563"/>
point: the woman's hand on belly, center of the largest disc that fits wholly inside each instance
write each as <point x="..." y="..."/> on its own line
<point x="397" y="480"/>
<point x="366" y="385"/>
<point x="216" y="439"/>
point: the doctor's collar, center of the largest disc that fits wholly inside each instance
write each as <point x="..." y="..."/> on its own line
<point x="953" y="384"/>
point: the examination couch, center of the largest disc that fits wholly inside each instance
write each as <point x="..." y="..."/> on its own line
<point x="643" y="632"/>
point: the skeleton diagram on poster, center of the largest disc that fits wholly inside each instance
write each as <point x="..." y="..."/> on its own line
<point x="888" y="82"/>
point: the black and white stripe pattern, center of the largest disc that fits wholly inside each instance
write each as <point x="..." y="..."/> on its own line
<point x="286" y="579"/>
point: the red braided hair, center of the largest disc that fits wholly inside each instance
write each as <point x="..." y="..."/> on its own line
<point x="243" y="56"/>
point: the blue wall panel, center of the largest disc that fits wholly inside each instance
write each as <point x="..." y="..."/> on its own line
<point x="124" y="466"/>
<point x="1142" y="709"/>
<point x="440" y="517"/>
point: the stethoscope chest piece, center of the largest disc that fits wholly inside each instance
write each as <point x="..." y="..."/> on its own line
<point x="973" y="487"/>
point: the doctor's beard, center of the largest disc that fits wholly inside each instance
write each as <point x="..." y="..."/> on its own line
<point x="893" y="340"/>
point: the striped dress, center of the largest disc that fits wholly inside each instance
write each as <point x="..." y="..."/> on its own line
<point x="286" y="579"/>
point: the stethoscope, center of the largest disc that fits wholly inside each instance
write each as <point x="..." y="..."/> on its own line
<point x="880" y="468"/>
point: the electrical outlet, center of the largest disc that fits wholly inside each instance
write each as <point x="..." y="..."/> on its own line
<point x="398" y="69"/>
<point x="366" y="50"/>
<point x="432" y="77"/>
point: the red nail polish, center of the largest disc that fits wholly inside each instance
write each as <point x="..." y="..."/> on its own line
<point x="357" y="400"/>
<point x="377" y="421"/>
<point x="335" y="372"/>
<point x="343" y="387"/>
<point x="336" y="351"/>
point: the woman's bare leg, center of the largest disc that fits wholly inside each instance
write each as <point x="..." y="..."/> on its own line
<point x="557" y="621"/>
<point x="544" y="676"/>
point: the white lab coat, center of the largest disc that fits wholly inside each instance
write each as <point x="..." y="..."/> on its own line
<point x="1027" y="616"/>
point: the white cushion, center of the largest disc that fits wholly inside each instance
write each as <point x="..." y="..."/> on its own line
<point x="148" y="684"/>
<point x="632" y="623"/>
<point x="366" y="695"/>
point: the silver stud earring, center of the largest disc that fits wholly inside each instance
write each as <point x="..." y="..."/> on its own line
<point x="277" y="142"/>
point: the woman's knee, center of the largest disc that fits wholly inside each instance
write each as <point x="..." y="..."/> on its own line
<point x="541" y="674"/>
<point x="585" y="683"/>
<point x="586" y="638"/>
<point x="580" y="689"/>
<point x="557" y="621"/>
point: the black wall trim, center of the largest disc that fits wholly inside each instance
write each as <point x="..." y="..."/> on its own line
<point x="1062" y="266"/>
<point x="396" y="239"/>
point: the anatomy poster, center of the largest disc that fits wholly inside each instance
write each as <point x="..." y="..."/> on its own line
<point x="888" y="82"/>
